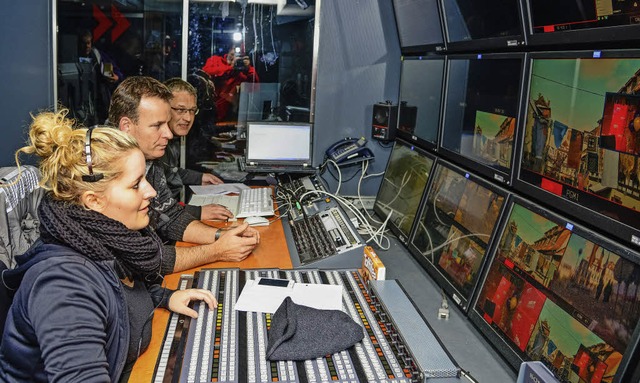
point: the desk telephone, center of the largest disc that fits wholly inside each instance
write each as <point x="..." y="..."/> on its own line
<point x="349" y="150"/>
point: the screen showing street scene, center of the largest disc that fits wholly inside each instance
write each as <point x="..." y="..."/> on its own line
<point x="558" y="297"/>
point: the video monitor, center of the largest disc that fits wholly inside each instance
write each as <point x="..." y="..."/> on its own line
<point x="456" y="226"/>
<point x="582" y="21"/>
<point x="419" y="25"/>
<point x="403" y="184"/>
<point x="580" y="144"/>
<point x="421" y="89"/>
<point x="558" y="293"/>
<point x="481" y="112"/>
<point x="482" y="24"/>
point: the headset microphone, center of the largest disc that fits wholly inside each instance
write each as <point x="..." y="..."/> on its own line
<point x="165" y="218"/>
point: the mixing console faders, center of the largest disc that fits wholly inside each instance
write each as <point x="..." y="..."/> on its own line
<point x="224" y="345"/>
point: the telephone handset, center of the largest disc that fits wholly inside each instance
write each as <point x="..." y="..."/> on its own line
<point x="349" y="150"/>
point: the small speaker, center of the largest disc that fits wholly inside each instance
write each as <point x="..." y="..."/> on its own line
<point x="384" y="122"/>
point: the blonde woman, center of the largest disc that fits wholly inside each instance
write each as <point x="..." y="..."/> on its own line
<point x="83" y="308"/>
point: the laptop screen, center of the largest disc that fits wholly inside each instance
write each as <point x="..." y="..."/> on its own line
<point x="278" y="144"/>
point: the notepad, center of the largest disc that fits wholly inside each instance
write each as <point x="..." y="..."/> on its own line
<point x="267" y="299"/>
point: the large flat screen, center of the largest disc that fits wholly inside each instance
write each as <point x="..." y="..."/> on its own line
<point x="580" y="144"/>
<point x="558" y="293"/>
<point x="456" y="227"/>
<point x="402" y="187"/>
<point x="482" y="24"/>
<point x="419" y="26"/>
<point x="481" y="112"/>
<point x="582" y="21"/>
<point x="421" y="88"/>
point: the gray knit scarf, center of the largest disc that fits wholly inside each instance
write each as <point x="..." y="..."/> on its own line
<point x="100" y="238"/>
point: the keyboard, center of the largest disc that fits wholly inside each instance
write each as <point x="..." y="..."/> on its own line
<point x="255" y="202"/>
<point x="228" y="201"/>
<point x="250" y="202"/>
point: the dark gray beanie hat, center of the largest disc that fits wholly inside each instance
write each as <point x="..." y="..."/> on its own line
<point x="299" y="332"/>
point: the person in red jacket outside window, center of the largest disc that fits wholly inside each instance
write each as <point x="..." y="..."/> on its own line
<point x="228" y="72"/>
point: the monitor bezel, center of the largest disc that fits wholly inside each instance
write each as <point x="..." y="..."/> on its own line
<point x="503" y="345"/>
<point x="514" y="42"/>
<point x="582" y="213"/>
<point x="421" y="48"/>
<point x="441" y="279"/>
<point x="498" y="175"/>
<point x="598" y="35"/>
<point x="404" y="237"/>
<point x="412" y="138"/>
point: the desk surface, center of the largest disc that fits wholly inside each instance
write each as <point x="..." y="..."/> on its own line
<point x="465" y="344"/>
<point x="271" y="253"/>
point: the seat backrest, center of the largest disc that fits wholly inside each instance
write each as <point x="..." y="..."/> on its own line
<point x="20" y="195"/>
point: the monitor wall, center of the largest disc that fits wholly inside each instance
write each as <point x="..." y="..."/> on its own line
<point x="456" y="227"/>
<point x="558" y="293"/>
<point x="405" y="179"/>
<point x="482" y="24"/>
<point x="567" y="160"/>
<point x="421" y="89"/>
<point x="581" y="22"/>
<point x="481" y="109"/>
<point x="419" y="25"/>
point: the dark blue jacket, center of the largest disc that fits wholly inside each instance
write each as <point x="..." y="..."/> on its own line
<point x="68" y="321"/>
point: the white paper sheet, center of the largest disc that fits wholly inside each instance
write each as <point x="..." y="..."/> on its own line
<point x="267" y="299"/>
<point x="218" y="189"/>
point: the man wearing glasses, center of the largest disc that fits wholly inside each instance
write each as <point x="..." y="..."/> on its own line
<point x="183" y="113"/>
<point x="141" y="107"/>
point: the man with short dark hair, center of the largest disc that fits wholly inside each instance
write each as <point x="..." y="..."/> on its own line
<point x="141" y="106"/>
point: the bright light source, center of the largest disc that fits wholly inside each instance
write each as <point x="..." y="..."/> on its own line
<point x="237" y="36"/>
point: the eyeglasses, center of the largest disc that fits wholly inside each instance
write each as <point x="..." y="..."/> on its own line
<point x="182" y="111"/>
<point x="87" y="151"/>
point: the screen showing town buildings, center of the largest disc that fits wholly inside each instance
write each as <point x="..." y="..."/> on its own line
<point x="561" y="298"/>
<point x="582" y="134"/>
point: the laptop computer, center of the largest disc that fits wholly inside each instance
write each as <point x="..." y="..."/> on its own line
<point x="279" y="147"/>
